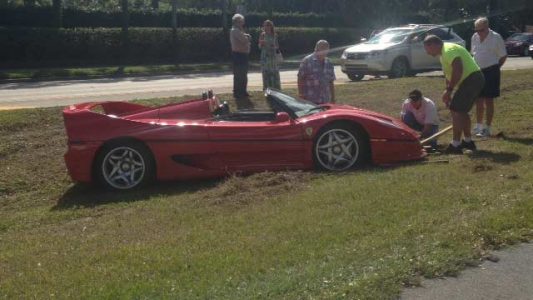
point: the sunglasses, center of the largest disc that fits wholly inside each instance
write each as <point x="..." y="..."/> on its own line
<point x="414" y="98"/>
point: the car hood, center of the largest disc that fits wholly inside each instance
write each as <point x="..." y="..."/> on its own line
<point x="366" y="47"/>
<point x="369" y="117"/>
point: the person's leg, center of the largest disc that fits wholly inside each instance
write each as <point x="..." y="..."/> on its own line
<point x="480" y="111"/>
<point x="265" y="79"/>
<point x="458" y="125"/>
<point x="410" y="120"/>
<point x="245" y="76"/>
<point x="277" y="81"/>
<point x="489" y="103"/>
<point x="239" y="81"/>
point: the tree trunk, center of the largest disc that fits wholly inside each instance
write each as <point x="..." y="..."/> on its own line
<point x="58" y="13"/>
<point x="175" y="29"/>
<point x="174" y="17"/>
<point x="155" y="4"/>
<point x="125" y="26"/>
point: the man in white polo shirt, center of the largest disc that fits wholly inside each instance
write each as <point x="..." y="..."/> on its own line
<point x="489" y="53"/>
<point x="420" y="114"/>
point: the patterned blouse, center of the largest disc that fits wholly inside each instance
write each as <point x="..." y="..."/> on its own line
<point x="268" y="53"/>
<point x="317" y="78"/>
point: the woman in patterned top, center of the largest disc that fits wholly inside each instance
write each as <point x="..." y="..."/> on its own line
<point x="268" y="43"/>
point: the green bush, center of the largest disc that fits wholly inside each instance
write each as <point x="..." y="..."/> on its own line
<point x="22" y="47"/>
<point x="44" y="16"/>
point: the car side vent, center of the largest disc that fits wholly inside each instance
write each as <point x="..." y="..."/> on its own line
<point x="182" y="160"/>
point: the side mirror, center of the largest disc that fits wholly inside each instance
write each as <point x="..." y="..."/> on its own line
<point x="282" y="117"/>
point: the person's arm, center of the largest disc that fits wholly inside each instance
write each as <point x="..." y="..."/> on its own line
<point x="332" y="89"/>
<point x="426" y="131"/>
<point x="301" y="80"/>
<point x="502" y="60"/>
<point x="457" y="73"/>
<point x="261" y="42"/>
<point x="502" y="51"/>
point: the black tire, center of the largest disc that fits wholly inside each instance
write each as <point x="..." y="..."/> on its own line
<point x="356" y="76"/>
<point x="399" y="68"/>
<point x="339" y="147"/>
<point x="124" y="165"/>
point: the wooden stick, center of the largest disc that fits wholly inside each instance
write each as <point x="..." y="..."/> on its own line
<point x="436" y="135"/>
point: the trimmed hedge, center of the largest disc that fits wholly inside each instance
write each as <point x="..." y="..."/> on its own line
<point x="41" y="47"/>
<point x="84" y="46"/>
<point x="43" y="17"/>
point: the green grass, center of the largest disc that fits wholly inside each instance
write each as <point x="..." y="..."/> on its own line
<point x="109" y="71"/>
<point x="290" y="235"/>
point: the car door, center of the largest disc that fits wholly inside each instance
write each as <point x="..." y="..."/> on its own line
<point x="420" y="59"/>
<point x="258" y="145"/>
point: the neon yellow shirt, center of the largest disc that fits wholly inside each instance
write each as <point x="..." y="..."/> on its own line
<point x="449" y="52"/>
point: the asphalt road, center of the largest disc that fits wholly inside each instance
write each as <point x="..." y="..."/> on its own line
<point x="509" y="278"/>
<point x="65" y="92"/>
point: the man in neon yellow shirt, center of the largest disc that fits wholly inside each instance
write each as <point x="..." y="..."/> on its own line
<point x="464" y="76"/>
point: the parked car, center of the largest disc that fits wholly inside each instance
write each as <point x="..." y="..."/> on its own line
<point x="123" y="145"/>
<point x="518" y="43"/>
<point x="396" y="52"/>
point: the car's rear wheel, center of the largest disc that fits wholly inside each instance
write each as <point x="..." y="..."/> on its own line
<point x="124" y="165"/>
<point x="399" y="68"/>
<point x="356" y="76"/>
<point x="339" y="147"/>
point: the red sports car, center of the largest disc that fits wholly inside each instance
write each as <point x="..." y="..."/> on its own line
<point x="124" y="145"/>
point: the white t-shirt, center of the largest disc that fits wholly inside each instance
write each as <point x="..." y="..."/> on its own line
<point x="425" y="114"/>
<point x="488" y="52"/>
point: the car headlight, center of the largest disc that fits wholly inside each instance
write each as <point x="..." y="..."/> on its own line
<point x="377" y="53"/>
<point x="343" y="56"/>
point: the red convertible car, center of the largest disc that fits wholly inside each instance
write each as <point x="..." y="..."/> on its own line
<point x="124" y="145"/>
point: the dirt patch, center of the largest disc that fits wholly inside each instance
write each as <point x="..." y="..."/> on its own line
<point x="238" y="191"/>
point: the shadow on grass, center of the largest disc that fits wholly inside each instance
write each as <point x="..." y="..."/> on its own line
<point x="497" y="157"/>
<point x="524" y="141"/>
<point x="87" y="196"/>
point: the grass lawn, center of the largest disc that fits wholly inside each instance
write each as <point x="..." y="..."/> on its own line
<point x="108" y="71"/>
<point x="121" y="71"/>
<point x="290" y="235"/>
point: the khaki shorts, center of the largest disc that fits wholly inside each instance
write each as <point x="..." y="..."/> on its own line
<point x="468" y="91"/>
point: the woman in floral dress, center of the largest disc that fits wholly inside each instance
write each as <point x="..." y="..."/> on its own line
<point x="268" y="43"/>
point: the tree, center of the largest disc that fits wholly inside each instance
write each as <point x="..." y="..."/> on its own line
<point x="58" y="13"/>
<point x="125" y="26"/>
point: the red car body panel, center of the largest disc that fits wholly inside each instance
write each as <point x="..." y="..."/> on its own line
<point x="187" y="142"/>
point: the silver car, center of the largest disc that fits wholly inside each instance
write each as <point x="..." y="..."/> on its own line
<point x="395" y="52"/>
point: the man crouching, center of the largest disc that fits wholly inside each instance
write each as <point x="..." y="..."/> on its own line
<point x="420" y="114"/>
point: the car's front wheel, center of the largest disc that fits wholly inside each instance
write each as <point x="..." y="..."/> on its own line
<point x="356" y="76"/>
<point x="124" y="166"/>
<point x="338" y="148"/>
<point x="399" y="68"/>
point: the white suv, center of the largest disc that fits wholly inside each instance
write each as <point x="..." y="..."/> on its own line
<point x="396" y="52"/>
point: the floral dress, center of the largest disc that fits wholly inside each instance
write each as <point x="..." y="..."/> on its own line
<point x="269" y="66"/>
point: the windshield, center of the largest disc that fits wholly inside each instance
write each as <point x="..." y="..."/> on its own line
<point x="299" y="107"/>
<point x="390" y="36"/>
<point x="518" y="38"/>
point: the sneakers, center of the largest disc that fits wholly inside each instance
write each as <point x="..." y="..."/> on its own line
<point x="453" y="150"/>
<point x="459" y="149"/>
<point x="485" y="132"/>
<point x="470" y="145"/>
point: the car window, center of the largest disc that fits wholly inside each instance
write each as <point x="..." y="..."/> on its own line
<point x="390" y="36"/>
<point x="442" y="33"/>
